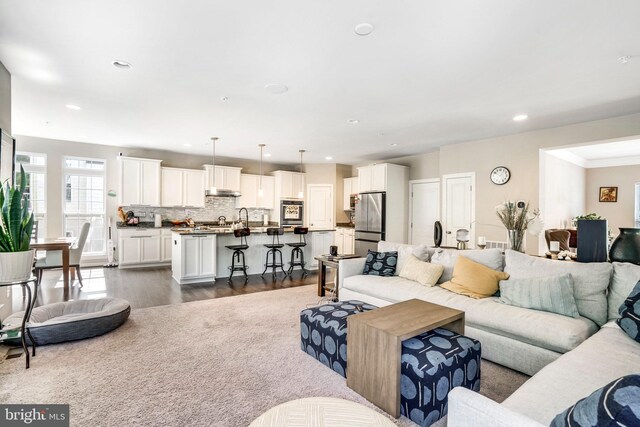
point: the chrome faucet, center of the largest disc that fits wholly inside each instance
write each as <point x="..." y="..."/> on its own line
<point x="244" y="224"/>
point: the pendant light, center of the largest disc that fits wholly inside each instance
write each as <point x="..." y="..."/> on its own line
<point x="301" y="193"/>
<point x="260" y="190"/>
<point x="213" y="190"/>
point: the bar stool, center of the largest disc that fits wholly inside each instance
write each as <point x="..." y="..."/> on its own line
<point x="238" y="250"/>
<point x="274" y="248"/>
<point x="297" y="254"/>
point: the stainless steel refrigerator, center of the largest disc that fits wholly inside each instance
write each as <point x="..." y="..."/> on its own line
<point x="370" y="219"/>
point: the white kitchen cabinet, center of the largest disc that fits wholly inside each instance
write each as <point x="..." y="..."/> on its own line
<point x="227" y="177"/>
<point x="172" y="184"/>
<point x="183" y="187"/>
<point x="350" y="187"/>
<point x="372" y="178"/>
<point x="364" y="179"/>
<point x="345" y="240"/>
<point x="193" y="258"/>
<point x="339" y="240"/>
<point x="249" y="186"/>
<point x="349" y="241"/>
<point x="320" y="242"/>
<point x="139" y="182"/>
<point x="167" y="242"/>
<point x="193" y="190"/>
<point x="138" y="247"/>
<point x="288" y="185"/>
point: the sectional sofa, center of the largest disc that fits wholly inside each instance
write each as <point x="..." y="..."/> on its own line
<point x="568" y="358"/>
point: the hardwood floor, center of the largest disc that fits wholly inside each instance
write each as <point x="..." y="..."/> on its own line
<point x="153" y="286"/>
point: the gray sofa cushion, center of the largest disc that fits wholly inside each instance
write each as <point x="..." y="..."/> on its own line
<point x="625" y="277"/>
<point x="491" y="258"/>
<point x="607" y="355"/>
<point x="547" y="330"/>
<point x="73" y="320"/>
<point x="590" y="280"/>
<point x="552" y="294"/>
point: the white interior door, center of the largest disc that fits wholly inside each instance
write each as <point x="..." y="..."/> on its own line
<point x="458" y="202"/>
<point x="320" y="207"/>
<point x="425" y="210"/>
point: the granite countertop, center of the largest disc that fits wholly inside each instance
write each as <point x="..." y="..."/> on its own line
<point x="345" y="225"/>
<point x="167" y="224"/>
<point x="254" y="230"/>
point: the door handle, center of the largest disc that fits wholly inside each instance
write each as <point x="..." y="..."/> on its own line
<point x="448" y="232"/>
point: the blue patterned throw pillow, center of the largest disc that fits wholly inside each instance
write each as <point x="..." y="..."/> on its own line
<point x="381" y="263"/>
<point x="616" y="404"/>
<point x="629" y="312"/>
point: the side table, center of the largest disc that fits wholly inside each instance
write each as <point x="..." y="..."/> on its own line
<point x="375" y="346"/>
<point x="325" y="261"/>
<point x="24" y="329"/>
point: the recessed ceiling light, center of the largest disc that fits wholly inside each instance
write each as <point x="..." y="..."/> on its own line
<point x="123" y="65"/>
<point x="276" y="88"/>
<point x="624" y="59"/>
<point x="328" y="158"/>
<point x="224" y="98"/>
<point x="520" y="117"/>
<point x="73" y="107"/>
<point x="47" y="123"/>
<point x="353" y="121"/>
<point x="186" y="145"/>
<point x="267" y="154"/>
<point x="394" y="144"/>
<point x="364" y="29"/>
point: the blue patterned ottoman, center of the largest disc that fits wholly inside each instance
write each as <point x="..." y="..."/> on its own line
<point x="323" y="332"/>
<point x="433" y="364"/>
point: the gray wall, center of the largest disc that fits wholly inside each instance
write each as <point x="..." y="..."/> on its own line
<point x="5" y="99"/>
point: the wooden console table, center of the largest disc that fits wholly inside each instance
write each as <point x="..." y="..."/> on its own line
<point x="325" y="261"/>
<point x="375" y="346"/>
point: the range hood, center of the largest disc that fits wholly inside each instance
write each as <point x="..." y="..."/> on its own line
<point x="222" y="193"/>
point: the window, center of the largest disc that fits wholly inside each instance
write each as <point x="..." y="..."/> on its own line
<point x="84" y="201"/>
<point x="35" y="169"/>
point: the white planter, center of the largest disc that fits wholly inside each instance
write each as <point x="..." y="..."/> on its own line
<point x="16" y="266"/>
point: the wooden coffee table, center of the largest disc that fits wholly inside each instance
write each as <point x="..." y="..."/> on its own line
<point x="375" y="346"/>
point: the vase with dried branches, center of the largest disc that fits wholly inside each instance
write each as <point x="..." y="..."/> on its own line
<point x="518" y="217"/>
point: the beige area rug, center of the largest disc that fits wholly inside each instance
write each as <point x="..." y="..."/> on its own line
<point x="219" y="362"/>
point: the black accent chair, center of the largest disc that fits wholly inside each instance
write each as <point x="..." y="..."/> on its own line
<point x="238" y="253"/>
<point x="297" y="254"/>
<point x="274" y="248"/>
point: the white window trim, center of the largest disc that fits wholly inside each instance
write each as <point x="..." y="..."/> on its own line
<point x="86" y="172"/>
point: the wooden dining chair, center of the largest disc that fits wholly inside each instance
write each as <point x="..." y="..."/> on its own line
<point x="53" y="260"/>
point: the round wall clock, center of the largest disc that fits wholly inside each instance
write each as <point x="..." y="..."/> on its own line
<point x="500" y="175"/>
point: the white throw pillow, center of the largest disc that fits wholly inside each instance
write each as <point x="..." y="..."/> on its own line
<point x="491" y="258"/>
<point x="422" y="272"/>
<point x="590" y="280"/>
<point x="404" y="252"/>
<point x="625" y="277"/>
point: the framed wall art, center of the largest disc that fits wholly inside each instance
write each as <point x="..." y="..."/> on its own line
<point x="608" y="194"/>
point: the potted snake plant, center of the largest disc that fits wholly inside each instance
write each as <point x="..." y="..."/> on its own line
<point x="16" y="224"/>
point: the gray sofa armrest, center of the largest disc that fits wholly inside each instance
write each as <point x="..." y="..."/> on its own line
<point x="349" y="267"/>
<point x="470" y="409"/>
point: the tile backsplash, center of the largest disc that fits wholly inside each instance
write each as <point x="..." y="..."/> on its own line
<point x="214" y="207"/>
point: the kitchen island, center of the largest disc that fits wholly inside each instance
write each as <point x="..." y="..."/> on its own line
<point x="200" y="255"/>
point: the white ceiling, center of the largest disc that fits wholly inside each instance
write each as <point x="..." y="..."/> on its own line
<point x="432" y="72"/>
<point x="616" y="153"/>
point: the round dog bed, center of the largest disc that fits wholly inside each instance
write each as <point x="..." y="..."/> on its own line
<point x="72" y="320"/>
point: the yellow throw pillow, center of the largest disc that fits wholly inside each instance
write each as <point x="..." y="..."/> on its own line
<point x="422" y="272"/>
<point x="473" y="279"/>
